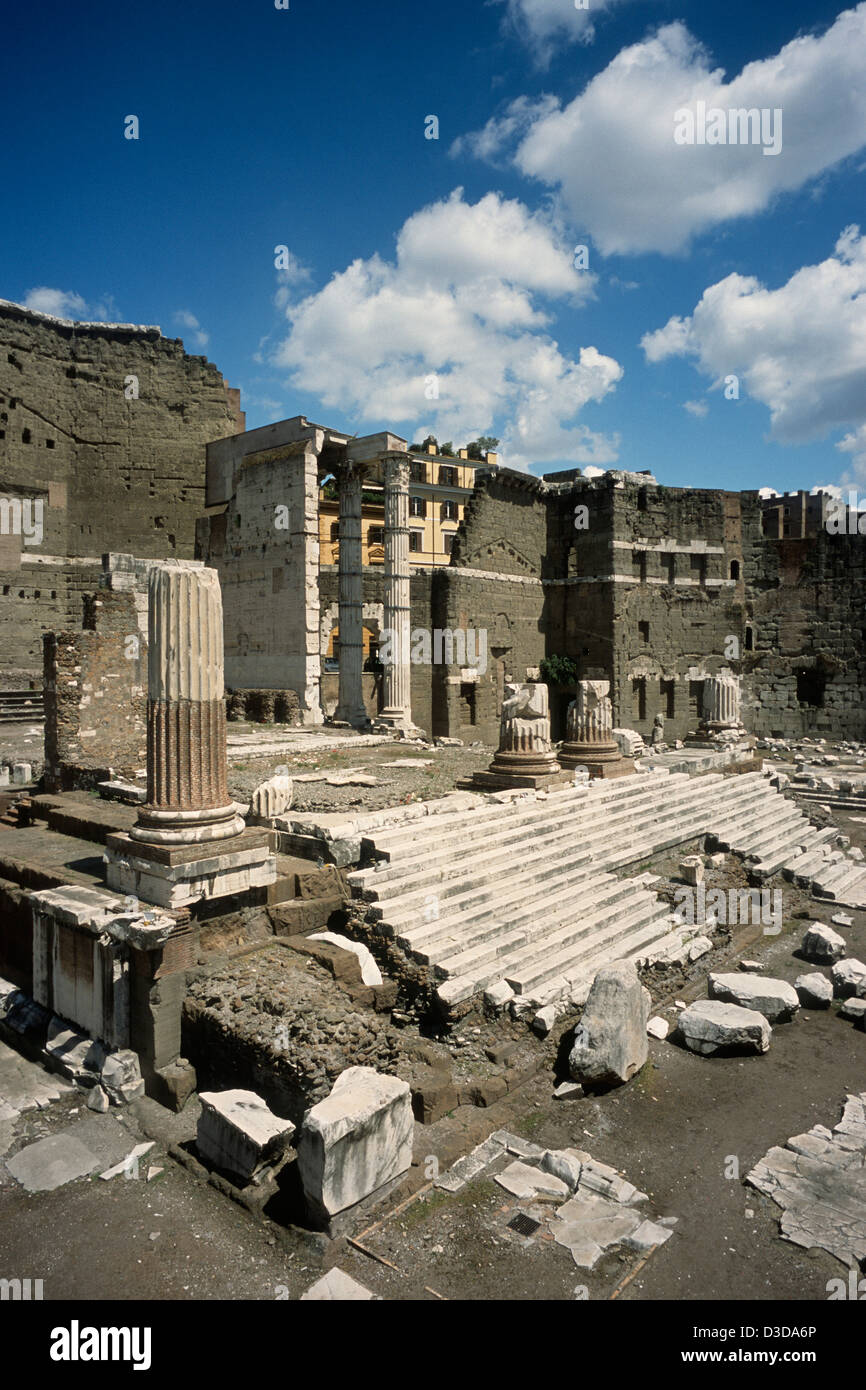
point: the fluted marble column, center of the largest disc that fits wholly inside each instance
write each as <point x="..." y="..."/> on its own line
<point x="524" y="732"/>
<point x="396" y="677"/>
<point x="722" y="701"/>
<point x="350" y="707"/>
<point x="590" y="742"/>
<point x="187" y="791"/>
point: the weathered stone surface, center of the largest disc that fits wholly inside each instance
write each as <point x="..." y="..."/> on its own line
<point x="822" y="945"/>
<point x="77" y="1054"/>
<point x="121" y="1076"/>
<point x="849" y="978"/>
<point x="692" y="869"/>
<point x="710" y="1026"/>
<point x="529" y="1183"/>
<point x="81" y="1148"/>
<point x="336" y="1287"/>
<point x="272" y="798"/>
<point x="819" y="1180"/>
<point x="815" y="991"/>
<point x="658" y="1028"/>
<point x="610" y="1042"/>
<point x="237" y="1131"/>
<point x="355" y="1141"/>
<point x="370" y="972"/>
<point x="564" y="1164"/>
<point x="775" y="999"/>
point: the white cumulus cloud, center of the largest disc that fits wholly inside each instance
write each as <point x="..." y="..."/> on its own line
<point x="63" y="304"/>
<point x="190" y="322"/>
<point x="453" y="335"/>
<point x="611" y="155"/>
<point x="543" y="25"/>
<point x="799" y="349"/>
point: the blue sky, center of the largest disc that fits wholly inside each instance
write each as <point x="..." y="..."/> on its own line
<point x="446" y="265"/>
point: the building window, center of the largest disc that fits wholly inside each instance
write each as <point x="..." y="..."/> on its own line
<point x="669" y="564"/>
<point x="447" y="475"/>
<point x="448" y="542"/>
<point x="376" y="535"/>
<point x="810" y="687"/>
<point x="643" y="631"/>
<point x="667" y="697"/>
<point x="467" y="702"/>
<point x="335" y="530"/>
<point x="417" y="506"/>
<point x="638" y="698"/>
<point x="750" y="638"/>
<point x="638" y="565"/>
<point x="642" y="499"/>
<point x="418" y="471"/>
<point x="415" y="540"/>
<point x="735" y="569"/>
<point x="696" y="701"/>
<point x="449" y="510"/>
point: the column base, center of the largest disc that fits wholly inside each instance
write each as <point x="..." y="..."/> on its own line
<point x="397" y="720"/>
<point x="158" y="826"/>
<point x="355" y="718"/>
<point x="599" y="759"/>
<point x="180" y="875"/>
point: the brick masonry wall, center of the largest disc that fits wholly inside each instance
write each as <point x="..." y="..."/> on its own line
<point x="114" y="474"/>
<point x="96" y="695"/>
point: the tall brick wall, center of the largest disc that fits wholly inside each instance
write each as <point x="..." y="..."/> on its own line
<point x="114" y="474"/>
<point x="95" y="684"/>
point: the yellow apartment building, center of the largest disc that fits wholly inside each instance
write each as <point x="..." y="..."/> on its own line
<point x="439" y="489"/>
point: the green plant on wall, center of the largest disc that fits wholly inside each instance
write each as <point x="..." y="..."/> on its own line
<point x="558" y="670"/>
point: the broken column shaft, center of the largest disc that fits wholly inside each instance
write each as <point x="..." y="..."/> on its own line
<point x="187" y="791"/>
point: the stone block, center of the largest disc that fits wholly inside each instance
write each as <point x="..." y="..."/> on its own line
<point x="849" y="978"/>
<point x="433" y="1094"/>
<point x="822" y="945"/>
<point x="238" y="1132"/>
<point x="355" y="1141"/>
<point x="815" y="991"/>
<point x="336" y="1287"/>
<point x="370" y="973"/>
<point x="610" y="1042"/>
<point x="711" y="1026"/>
<point x="775" y="999"/>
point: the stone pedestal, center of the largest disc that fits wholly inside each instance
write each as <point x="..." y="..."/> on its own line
<point x="590" y="742"/>
<point x="396" y="710"/>
<point x="525" y="757"/>
<point x="189" y="841"/>
<point x="118" y="973"/>
<point x="350" y="706"/>
<point x="720" y="718"/>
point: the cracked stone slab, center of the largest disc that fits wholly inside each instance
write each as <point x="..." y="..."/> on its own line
<point x="82" y="1148"/>
<point x="24" y="1085"/>
<point x="530" y="1183"/>
<point x="819" y="1181"/>
<point x="468" y="1167"/>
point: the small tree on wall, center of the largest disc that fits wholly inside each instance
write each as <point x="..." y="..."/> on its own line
<point x="558" y="670"/>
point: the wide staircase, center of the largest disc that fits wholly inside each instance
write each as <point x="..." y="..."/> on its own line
<point x="526" y="891"/>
